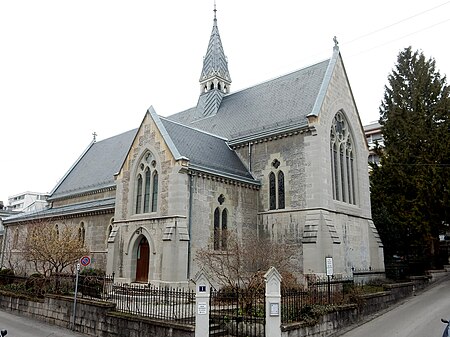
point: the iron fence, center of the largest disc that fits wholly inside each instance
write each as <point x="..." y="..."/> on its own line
<point x="164" y="303"/>
<point x="297" y="303"/>
<point x="237" y="312"/>
<point x="89" y="286"/>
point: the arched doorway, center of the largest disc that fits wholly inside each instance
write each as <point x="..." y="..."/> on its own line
<point x="142" y="261"/>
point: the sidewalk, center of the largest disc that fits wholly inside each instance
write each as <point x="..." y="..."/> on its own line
<point x="27" y="327"/>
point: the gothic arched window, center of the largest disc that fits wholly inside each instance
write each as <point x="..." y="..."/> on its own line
<point x="81" y="233"/>
<point x="146" y="190"/>
<point x="224" y="229"/>
<point x="217" y="229"/>
<point x="139" y="194"/>
<point x="280" y="190"/>
<point x="342" y="160"/>
<point x="220" y="224"/>
<point x="155" y="192"/>
<point x="277" y="198"/>
<point x="272" y="192"/>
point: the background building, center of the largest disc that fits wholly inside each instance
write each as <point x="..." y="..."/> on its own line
<point x="27" y="202"/>
<point x="374" y="137"/>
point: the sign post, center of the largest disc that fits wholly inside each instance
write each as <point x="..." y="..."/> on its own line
<point x="84" y="261"/>
<point x="329" y="268"/>
<point x="75" y="297"/>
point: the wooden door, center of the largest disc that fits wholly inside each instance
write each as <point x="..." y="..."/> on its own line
<point x="143" y="257"/>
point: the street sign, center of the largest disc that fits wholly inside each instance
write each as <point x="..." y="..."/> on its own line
<point x="85" y="261"/>
<point x="329" y="266"/>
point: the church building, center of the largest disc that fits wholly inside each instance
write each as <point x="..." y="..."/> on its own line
<point x="286" y="158"/>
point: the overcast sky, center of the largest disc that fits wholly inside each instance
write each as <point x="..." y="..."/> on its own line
<point x="71" y="68"/>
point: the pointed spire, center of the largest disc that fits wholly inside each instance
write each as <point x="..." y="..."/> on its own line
<point x="215" y="74"/>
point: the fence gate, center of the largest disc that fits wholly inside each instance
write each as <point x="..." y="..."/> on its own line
<point x="237" y="313"/>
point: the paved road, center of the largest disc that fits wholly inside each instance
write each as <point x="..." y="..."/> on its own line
<point x="419" y="316"/>
<point x="18" y="326"/>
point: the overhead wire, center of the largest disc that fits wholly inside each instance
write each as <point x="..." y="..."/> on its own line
<point x="364" y="36"/>
<point x="400" y="38"/>
<point x="396" y="23"/>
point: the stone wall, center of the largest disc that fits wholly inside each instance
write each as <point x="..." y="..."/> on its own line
<point x="96" y="228"/>
<point x="239" y="200"/>
<point x="347" y="315"/>
<point x="92" y="318"/>
<point x="101" y="319"/>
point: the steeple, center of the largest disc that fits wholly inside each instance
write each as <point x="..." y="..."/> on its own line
<point x="215" y="75"/>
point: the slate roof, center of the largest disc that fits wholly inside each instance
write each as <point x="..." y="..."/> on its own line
<point x="206" y="151"/>
<point x="96" y="167"/>
<point x="79" y="208"/>
<point x="278" y="103"/>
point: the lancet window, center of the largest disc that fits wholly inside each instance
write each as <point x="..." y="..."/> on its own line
<point x="342" y="153"/>
<point x="220" y="226"/>
<point x="146" y="189"/>
<point x="276" y="187"/>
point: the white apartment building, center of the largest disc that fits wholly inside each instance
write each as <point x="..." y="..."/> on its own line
<point x="374" y="137"/>
<point x="27" y="202"/>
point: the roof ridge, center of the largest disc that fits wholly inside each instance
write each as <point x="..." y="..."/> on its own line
<point x="250" y="87"/>
<point x="277" y="77"/>
<point x="116" y="135"/>
<point x="194" y="129"/>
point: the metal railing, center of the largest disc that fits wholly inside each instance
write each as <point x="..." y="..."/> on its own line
<point x="237" y="312"/>
<point x="297" y="303"/>
<point x="164" y="303"/>
<point x="94" y="287"/>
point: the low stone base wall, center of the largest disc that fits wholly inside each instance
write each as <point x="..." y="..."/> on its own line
<point x="436" y="275"/>
<point x="347" y="315"/>
<point x="92" y="318"/>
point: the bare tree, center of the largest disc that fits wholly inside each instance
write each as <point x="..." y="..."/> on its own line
<point x="51" y="248"/>
<point x="245" y="260"/>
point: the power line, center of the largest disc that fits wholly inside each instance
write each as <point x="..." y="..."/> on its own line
<point x="401" y="37"/>
<point x="396" y="23"/>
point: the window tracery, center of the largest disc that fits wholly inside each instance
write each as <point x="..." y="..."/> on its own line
<point x="146" y="190"/>
<point x="276" y="187"/>
<point x="342" y="157"/>
<point x="220" y="225"/>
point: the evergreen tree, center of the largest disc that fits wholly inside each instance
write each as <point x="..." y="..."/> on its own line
<point x="410" y="188"/>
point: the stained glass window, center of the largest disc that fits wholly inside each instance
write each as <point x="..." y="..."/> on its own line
<point x="139" y="194"/>
<point x="147" y="190"/>
<point x="217" y="229"/>
<point x="155" y="192"/>
<point x="342" y="160"/>
<point x="146" y="197"/>
<point x="280" y="190"/>
<point x="272" y="191"/>
<point x="224" y="229"/>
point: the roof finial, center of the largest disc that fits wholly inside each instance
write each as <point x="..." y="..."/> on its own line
<point x="215" y="10"/>
<point x="94" y="135"/>
<point x="336" y="43"/>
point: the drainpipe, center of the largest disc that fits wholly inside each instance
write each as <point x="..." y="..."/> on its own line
<point x="3" y="246"/>
<point x="250" y="157"/>
<point x="191" y="187"/>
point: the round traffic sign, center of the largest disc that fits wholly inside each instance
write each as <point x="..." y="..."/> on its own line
<point x="85" y="261"/>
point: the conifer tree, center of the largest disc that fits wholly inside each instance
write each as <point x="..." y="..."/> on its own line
<point x="410" y="188"/>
